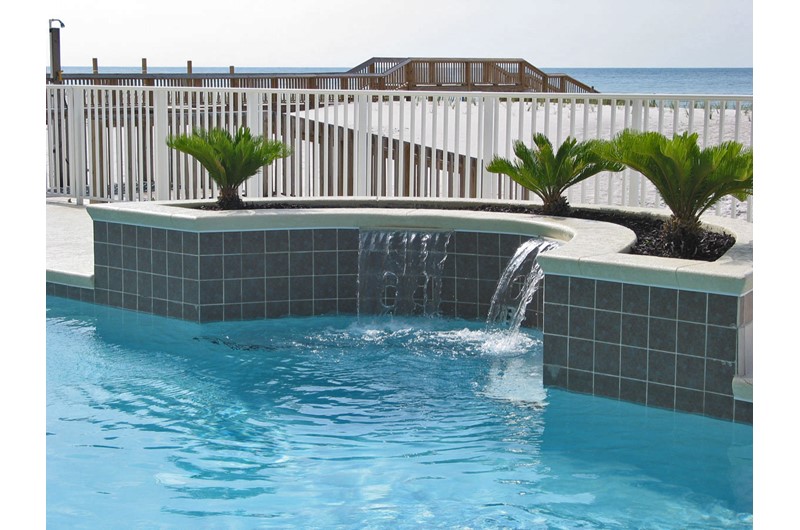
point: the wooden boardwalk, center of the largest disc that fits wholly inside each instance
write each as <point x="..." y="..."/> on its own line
<point x="378" y="73"/>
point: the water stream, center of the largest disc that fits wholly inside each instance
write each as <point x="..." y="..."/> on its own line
<point x="400" y="274"/>
<point x="517" y="285"/>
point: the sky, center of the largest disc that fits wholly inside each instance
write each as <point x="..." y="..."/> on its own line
<point x="344" y="33"/>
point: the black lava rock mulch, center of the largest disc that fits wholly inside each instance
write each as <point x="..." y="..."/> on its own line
<point x="649" y="239"/>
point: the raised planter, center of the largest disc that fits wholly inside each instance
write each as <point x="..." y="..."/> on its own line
<point x="664" y="332"/>
<point x="667" y="332"/>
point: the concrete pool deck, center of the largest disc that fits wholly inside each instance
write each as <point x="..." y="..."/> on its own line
<point x="70" y="244"/>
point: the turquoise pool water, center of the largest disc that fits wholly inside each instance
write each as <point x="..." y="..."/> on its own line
<point x="347" y="423"/>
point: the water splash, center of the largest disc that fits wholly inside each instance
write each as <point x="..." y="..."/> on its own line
<point x="517" y="285"/>
<point x="400" y="275"/>
<point x="400" y="272"/>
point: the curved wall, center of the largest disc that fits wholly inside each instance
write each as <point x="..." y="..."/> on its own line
<point x="662" y="332"/>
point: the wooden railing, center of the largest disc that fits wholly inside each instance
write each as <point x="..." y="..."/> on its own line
<point x="378" y="65"/>
<point x="378" y="73"/>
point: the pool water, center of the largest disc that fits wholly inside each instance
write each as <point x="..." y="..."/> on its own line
<point x="359" y="423"/>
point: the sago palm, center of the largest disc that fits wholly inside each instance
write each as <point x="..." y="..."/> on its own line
<point x="689" y="179"/>
<point x="229" y="159"/>
<point x="548" y="174"/>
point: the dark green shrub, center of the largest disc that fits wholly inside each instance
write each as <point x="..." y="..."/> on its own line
<point x="689" y="179"/>
<point x="229" y="159"/>
<point x="548" y="174"/>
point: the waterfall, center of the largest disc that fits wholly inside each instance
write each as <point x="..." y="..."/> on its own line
<point x="400" y="272"/>
<point x="517" y="285"/>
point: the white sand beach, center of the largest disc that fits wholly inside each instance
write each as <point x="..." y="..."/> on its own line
<point x="484" y="126"/>
<point x="445" y="122"/>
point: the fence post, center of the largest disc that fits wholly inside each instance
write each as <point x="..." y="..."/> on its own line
<point x="255" y="185"/>
<point x="488" y="180"/>
<point x="77" y="144"/>
<point x="160" y="149"/>
<point x="360" y="169"/>
<point x="57" y="131"/>
<point x="635" y="178"/>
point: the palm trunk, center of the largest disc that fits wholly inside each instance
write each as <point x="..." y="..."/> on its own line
<point x="228" y="199"/>
<point x="682" y="236"/>
<point x="556" y="205"/>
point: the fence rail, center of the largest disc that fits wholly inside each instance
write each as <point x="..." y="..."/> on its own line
<point x="108" y="143"/>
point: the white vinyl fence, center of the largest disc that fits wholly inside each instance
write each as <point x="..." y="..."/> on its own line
<point x="109" y="143"/>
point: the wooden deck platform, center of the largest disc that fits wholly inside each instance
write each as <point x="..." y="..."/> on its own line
<point x="377" y="73"/>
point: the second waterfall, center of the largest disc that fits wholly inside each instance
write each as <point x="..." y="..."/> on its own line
<point x="400" y="272"/>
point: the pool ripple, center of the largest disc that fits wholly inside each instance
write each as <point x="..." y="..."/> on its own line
<point x="379" y="424"/>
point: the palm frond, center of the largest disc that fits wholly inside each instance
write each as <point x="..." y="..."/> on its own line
<point x="548" y="173"/>
<point x="689" y="179"/>
<point x="230" y="159"/>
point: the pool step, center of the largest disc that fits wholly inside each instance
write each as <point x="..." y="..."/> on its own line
<point x="743" y="388"/>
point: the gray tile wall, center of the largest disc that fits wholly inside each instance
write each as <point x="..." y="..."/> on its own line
<point x="273" y="273"/>
<point x="226" y="275"/>
<point x="661" y="347"/>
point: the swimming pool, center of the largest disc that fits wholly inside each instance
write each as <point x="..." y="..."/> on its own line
<point x="334" y="422"/>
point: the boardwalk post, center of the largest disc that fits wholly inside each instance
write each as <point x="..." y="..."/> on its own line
<point x="189" y="80"/>
<point x="56" y="74"/>
<point x="411" y="81"/>
<point x="147" y="81"/>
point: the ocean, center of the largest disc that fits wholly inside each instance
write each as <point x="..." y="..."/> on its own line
<point x="718" y="81"/>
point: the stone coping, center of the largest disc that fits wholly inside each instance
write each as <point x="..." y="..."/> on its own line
<point x="74" y="279"/>
<point x="591" y="249"/>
